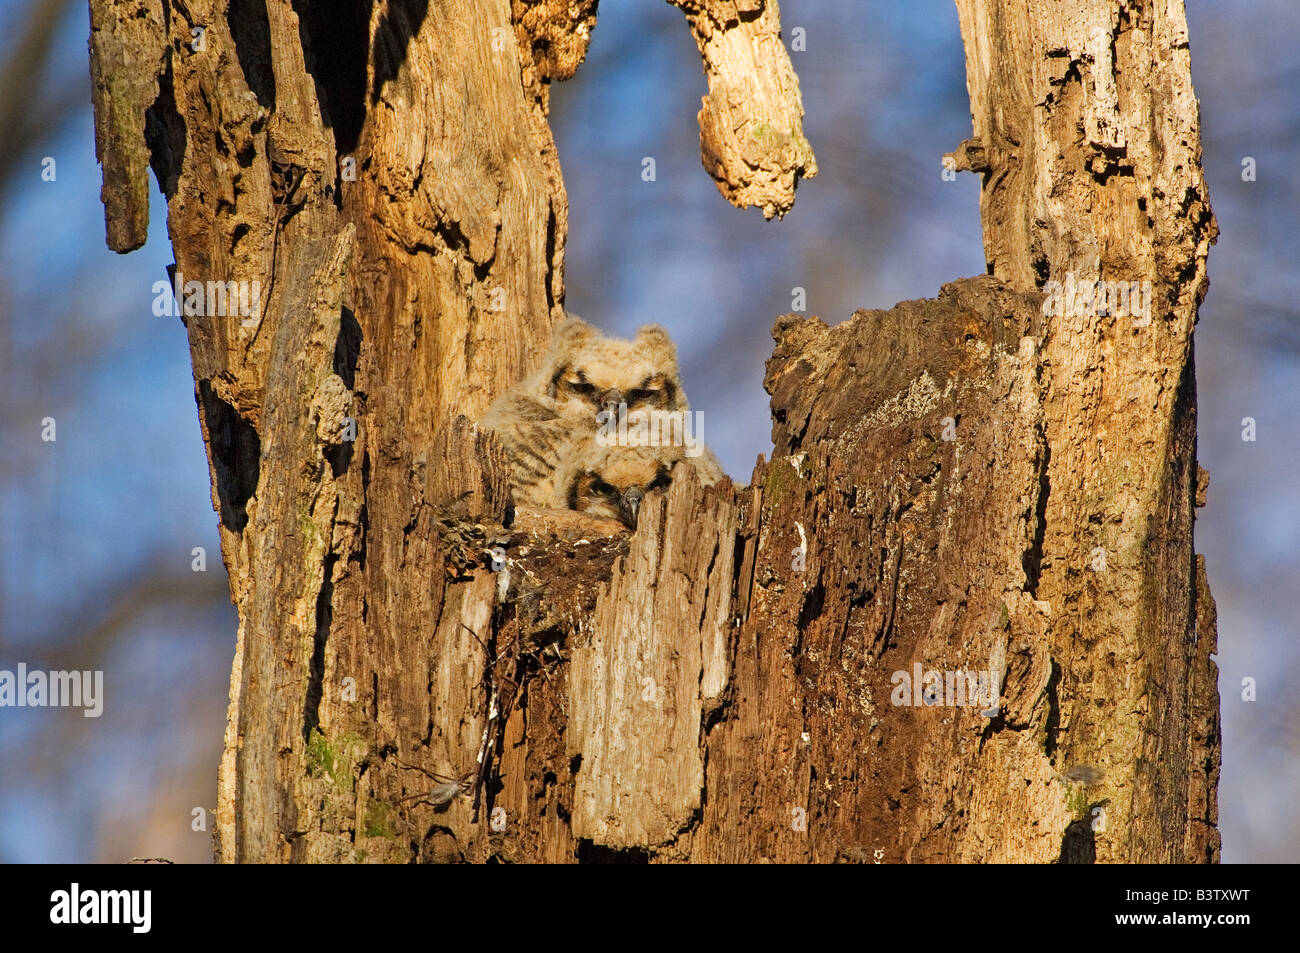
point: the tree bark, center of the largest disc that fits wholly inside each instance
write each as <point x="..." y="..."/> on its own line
<point x="1090" y="132"/>
<point x="424" y="674"/>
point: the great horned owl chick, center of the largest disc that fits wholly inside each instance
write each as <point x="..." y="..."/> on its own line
<point x="547" y="422"/>
<point x="585" y="372"/>
<point x="613" y="481"/>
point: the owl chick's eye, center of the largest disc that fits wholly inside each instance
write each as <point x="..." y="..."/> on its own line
<point x="582" y="388"/>
<point x="645" y="395"/>
<point x="607" y="490"/>
<point x="661" y="480"/>
<point x="570" y="381"/>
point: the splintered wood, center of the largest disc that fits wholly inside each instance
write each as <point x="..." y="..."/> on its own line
<point x="751" y="121"/>
<point x="642" y="670"/>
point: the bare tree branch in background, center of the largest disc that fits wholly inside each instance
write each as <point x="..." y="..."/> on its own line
<point x="28" y="120"/>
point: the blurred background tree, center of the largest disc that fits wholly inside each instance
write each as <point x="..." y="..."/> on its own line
<point x="98" y="528"/>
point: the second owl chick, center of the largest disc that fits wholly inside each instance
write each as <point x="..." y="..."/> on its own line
<point x="613" y="482"/>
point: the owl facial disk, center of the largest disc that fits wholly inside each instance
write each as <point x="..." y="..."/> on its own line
<point x="571" y="384"/>
<point x="592" y="493"/>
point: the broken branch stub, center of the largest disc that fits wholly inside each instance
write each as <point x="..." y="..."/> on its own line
<point x="751" y="121"/>
<point x="128" y="51"/>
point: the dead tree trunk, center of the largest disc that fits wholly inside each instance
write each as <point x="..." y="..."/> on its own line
<point x="385" y="173"/>
<point x="1087" y="133"/>
<point x="416" y="679"/>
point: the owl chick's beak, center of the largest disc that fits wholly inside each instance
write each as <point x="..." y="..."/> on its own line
<point x="611" y="398"/>
<point x="630" y="506"/>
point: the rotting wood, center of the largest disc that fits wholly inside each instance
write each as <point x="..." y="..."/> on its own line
<point x="942" y="473"/>
<point x="751" y="120"/>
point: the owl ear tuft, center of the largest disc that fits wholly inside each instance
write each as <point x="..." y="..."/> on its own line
<point x="654" y="336"/>
<point x="570" y="336"/>
<point x="571" y="333"/>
